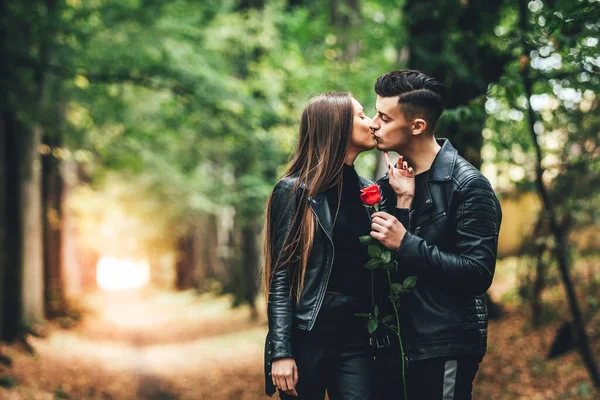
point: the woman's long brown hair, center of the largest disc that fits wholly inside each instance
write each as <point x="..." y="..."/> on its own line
<point x="323" y="142"/>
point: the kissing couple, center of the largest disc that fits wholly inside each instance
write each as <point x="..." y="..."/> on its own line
<point x="436" y="222"/>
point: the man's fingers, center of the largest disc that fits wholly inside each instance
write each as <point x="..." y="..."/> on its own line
<point x="399" y="162"/>
<point x="377" y="235"/>
<point x="383" y="215"/>
<point x="386" y="223"/>
<point x="377" y="227"/>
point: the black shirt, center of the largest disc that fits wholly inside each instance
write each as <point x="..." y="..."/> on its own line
<point x="420" y="182"/>
<point x="348" y="275"/>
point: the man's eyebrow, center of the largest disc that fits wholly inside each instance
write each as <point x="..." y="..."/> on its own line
<point x="383" y="114"/>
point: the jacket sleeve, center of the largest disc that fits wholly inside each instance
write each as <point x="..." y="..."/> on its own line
<point x="471" y="267"/>
<point x="279" y="308"/>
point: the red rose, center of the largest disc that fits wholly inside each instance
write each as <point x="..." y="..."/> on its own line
<point x="370" y="195"/>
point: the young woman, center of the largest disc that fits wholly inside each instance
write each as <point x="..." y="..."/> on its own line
<point x="314" y="275"/>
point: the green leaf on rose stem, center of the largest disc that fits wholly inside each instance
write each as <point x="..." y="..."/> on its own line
<point x="372" y="263"/>
<point x="372" y="325"/>
<point x="376" y="311"/>
<point x="397" y="288"/>
<point x="394" y="297"/>
<point x="388" y="319"/>
<point x="410" y="282"/>
<point x="374" y="251"/>
<point x="367" y="239"/>
<point x="376" y="207"/>
<point x="386" y="256"/>
<point x="365" y="315"/>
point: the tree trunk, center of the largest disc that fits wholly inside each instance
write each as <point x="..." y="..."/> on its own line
<point x="559" y="235"/>
<point x="250" y="264"/>
<point x="214" y="266"/>
<point x="11" y="290"/>
<point x="538" y="286"/>
<point x="209" y="267"/>
<point x="185" y="263"/>
<point x="245" y="260"/>
<point x="71" y="266"/>
<point x="54" y="286"/>
<point x="3" y="222"/>
<point x="31" y="219"/>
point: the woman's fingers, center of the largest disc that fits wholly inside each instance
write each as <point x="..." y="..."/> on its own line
<point x="399" y="162"/>
<point x="386" y="157"/>
<point x="278" y="383"/>
<point x="284" y="384"/>
<point x="404" y="165"/>
<point x="291" y="387"/>
<point x="295" y="372"/>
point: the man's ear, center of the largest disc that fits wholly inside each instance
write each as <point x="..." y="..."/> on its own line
<point x="419" y="126"/>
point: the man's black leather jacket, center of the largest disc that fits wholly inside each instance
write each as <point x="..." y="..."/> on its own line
<point x="284" y="313"/>
<point x="450" y="245"/>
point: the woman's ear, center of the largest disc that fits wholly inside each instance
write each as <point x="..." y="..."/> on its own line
<point x="419" y="126"/>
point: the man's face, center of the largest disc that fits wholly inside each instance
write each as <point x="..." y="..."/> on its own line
<point x="392" y="131"/>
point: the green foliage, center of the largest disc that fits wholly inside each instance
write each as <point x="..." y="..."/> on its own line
<point x="198" y="102"/>
<point x="562" y="37"/>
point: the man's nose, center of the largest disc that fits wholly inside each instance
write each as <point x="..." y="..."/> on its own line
<point x="375" y="124"/>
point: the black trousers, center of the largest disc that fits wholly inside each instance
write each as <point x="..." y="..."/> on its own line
<point x="448" y="378"/>
<point x="335" y="356"/>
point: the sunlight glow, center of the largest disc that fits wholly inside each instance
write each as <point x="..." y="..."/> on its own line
<point x="121" y="273"/>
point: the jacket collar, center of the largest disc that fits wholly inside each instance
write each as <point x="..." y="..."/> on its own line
<point x="443" y="164"/>
<point x="320" y="207"/>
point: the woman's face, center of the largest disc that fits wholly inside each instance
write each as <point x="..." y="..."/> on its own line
<point x="362" y="130"/>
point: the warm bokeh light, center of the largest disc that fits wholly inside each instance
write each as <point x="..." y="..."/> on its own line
<point x="120" y="274"/>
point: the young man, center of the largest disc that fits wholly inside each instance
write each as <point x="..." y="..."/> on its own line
<point x="448" y="240"/>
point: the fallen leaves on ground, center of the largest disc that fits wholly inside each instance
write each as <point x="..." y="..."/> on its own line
<point x="178" y="347"/>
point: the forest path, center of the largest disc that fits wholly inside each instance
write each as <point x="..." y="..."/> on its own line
<point x="151" y="346"/>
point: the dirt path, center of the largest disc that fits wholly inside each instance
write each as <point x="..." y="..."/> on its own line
<point x="147" y="346"/>
<point x="175" y="346"/>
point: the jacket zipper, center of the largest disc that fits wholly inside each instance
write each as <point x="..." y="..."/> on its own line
<point x="431" y="221"/>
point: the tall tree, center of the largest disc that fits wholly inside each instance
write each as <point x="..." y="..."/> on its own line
<point x="52" y="197"/>
<point x="558" y="231"/>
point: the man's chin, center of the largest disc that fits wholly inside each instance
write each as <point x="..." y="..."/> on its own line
<point x="382" y="147"/>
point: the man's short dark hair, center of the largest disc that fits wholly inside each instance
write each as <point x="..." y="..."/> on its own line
<point x="421" y="96"/>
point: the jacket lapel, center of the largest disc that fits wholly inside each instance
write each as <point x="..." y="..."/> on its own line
<point x="320" y="207"/>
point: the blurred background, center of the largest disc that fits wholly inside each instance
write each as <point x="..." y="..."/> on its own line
<point x="139" y="140"/>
